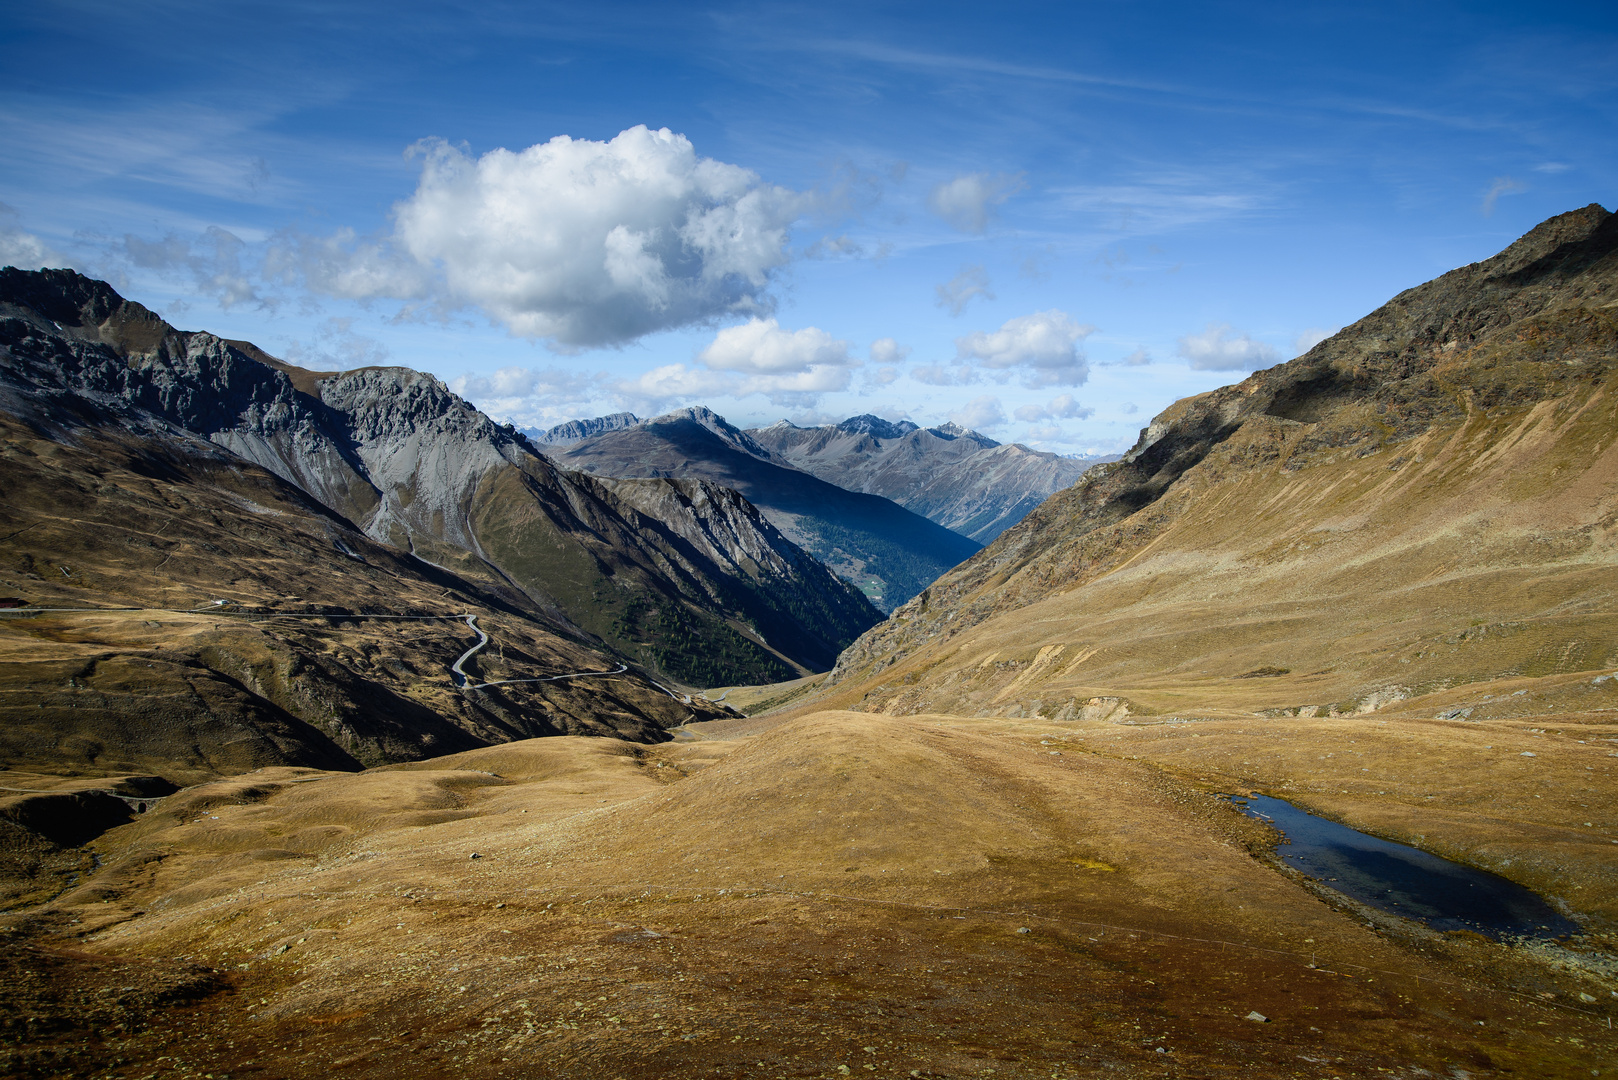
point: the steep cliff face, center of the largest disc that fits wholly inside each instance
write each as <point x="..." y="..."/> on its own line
<point x="888" y="552"/>
<point x="1425" y="500"/>
<point x="414" y="466"/>
<point x="775" y="589"/>
<point x="950" y="475"/>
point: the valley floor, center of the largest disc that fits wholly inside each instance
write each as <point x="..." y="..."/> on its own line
<point x="837" y="894"/>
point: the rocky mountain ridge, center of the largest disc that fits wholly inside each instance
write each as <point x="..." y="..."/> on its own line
<point x="415" y="467"/>
<point x="886" y="550"/>
<point x="956" y="477"/>
<point x="574" y="430"/>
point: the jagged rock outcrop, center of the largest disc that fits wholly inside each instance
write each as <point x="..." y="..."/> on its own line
<point x="963" y="480"/>
<point x="574" y="430"/>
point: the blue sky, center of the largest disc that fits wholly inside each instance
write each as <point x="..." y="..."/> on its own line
<point x="1045" y="221"/>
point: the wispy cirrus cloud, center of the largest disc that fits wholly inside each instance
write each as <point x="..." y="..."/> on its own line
<point x="970" y="284"/>
<point x="1162" y="203"/>
<point x="1501" y="185"/>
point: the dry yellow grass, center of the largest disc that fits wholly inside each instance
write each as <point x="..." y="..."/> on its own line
<point x="957" y="895"/>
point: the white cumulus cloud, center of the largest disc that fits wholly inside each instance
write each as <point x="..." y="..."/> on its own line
<point x="23" y="249"/>
<point x="1044" y="345"/>
<point x="789" y="367"/>
<point x="980" y="413"/>
<point x="580" y="242"/>
<point x="761" y="346"/>
<point x="888" y="351"/>
<point x="1219" y="348"/>
<point x="518" y="383"/>
<point x="1061" y="407"/>
<point x="537" y="397"/>
<point x="967" y="202"/>
<point x="656" y="390"/>
<point x="944" y="375"/>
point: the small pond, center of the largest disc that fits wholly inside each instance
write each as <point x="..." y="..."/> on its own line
<point x="1404" y="880"/>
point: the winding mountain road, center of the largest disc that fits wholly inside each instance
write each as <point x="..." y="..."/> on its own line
<point x="461" y="678"/>
<point x="458" y="674"/>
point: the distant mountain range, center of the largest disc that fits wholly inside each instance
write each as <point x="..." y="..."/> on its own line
<point x="575" y="430"/>
<point x="153" y="467"/>
<point x="889" y="552"/>
<point x="951" y="475"/>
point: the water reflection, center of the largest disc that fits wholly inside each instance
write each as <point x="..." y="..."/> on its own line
<point x="1405" y="880"/>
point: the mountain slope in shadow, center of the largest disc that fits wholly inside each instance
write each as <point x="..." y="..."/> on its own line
<point x="891" y="553"/>
<point x="956" y="477"/>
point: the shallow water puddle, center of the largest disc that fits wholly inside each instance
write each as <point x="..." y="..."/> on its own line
<point x="1404" y="880"/>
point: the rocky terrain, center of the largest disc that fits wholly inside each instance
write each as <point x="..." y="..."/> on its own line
<point x="889" y="552"/>
<point x="575" y="430"/>
<point x="695" y="596"/>
<point x="956" y="477"/>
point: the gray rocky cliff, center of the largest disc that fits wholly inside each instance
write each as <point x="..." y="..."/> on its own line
<point x="399" y="455"/>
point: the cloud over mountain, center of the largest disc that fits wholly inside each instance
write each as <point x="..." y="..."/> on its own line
<point x="1061" y="407"/>
<point x="789" y="367"/>
<point x="1219" y="348"/>
<point x="580" y="242"/>
<point x="23" y="249"/>
<point x="1044" y="346"/>
<point x="981" y="413"/>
